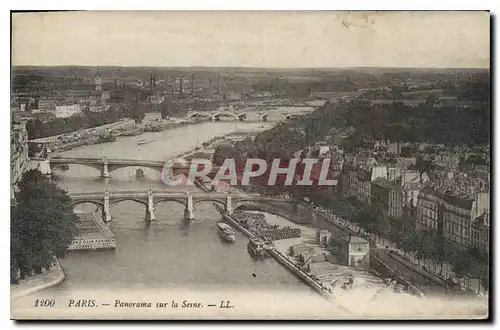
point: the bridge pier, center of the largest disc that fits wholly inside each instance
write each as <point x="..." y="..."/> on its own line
<point x="43" y="165"/>
<point x="12" y="195"/>
<point x="295" y="207"/>
<point x="150" y="209"/>
<point x="229" y="204"/>
<point x="106" y="210"/>
<point x="189" y="211"/>
<point x="105" y="170"/>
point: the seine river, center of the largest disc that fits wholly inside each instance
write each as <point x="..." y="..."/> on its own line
<point x="168" y="253"/>
<point x="157" y="261"/>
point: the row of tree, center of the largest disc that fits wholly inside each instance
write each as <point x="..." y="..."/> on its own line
<point x="38" y="129"/>
<point x="42" y="225"/>
<point x="450" y="125"/>
<point x="430" y="249"/>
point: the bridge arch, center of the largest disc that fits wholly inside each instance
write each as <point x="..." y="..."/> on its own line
<point x="76" y="203"/>
<point x="200" y="114"/>
<point x="258" y="202"/>
<point x="176" y="200"/>
<point x="94" y="166"/>
<point x="228" y="114"/>
<point x="112" y="168"/>
<point x="213" y="200"/>
<point x="116" y="201"/>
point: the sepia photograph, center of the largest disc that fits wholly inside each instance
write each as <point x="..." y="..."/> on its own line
<point x="250" y="165"/>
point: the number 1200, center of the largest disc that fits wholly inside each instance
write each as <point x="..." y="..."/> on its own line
<point x="45" y="303"/>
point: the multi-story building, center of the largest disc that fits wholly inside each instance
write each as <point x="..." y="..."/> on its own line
<point x="396" y="198"/>
<point x="359" y="185"/>
<point x="461" y="219"/>
<point x="152" y="117"/>
<point x="428" y="204"/>
<point x="380" y="196"/>
<point x="18" y="152"/>
<point x="46" y="105"/>
<point x="66" y="111"/>
<point x="387" y="201"/>
<point x="359" y="181"/>
<point x="480" y="232"/>
<point x="460" y="214"/>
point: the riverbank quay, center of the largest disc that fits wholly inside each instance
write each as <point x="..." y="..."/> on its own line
<point x="412" y="273"/>
<point x="91" y="136"/>
<point x="306" y="278"/>
<point x="315" y="285"/>
<point x="320" y="278"/>
<point x="324" y="267"/>
<point x="39" y="282"/>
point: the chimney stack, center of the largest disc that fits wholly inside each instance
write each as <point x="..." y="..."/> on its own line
<point x="193" y="84"/>
<point x="180" y="85"/>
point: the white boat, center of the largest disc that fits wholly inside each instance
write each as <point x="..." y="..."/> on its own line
<point x="143" y="142"/>
<point x="226" y="232"/>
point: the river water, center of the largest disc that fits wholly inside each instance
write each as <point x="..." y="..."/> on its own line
<point x="153" y="262"/>
<point x="168" y="253"/>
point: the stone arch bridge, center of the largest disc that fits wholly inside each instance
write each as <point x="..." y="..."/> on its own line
<point x="242" y="116"/>
<point x="104" y="165"/>
<point x="229" y="202"/>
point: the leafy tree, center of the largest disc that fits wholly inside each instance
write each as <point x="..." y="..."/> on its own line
<point x="408" y="238"/>
<point x="367" y="219"/>
<point x="479" y="266"/>
<point x="426" y="248"/>
<point x="458" y="257"/>
<point x="42" y="224"/>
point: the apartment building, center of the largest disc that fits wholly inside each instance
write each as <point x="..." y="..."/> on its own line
<point x="466" y="219"/>
<point x="66" y="111"/>
<point x="427" y="210"/>
<point x="359" y="180"/>
<point x="463" y="219"/>
<point x="381" y="192"/>
<point x="18" y="151"/>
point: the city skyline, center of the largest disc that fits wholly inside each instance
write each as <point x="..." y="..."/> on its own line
<point x="252" y="39"/>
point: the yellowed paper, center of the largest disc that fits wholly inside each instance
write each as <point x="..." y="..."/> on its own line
<point x="108" y="106"/>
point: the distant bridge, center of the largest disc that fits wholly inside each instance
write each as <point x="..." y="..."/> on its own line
<point x="228" y="201"/>
<point x="218" y="115"/>
<point x="105" y="165"/>
<point x="242" y="116"/>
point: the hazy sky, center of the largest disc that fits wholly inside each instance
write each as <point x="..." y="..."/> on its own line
<point x="254" y="39"/>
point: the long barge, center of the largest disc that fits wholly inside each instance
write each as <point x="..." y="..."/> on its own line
<point x="91" y="234"/>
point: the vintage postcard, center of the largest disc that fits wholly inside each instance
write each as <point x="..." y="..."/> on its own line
<point x="250" y="165"/>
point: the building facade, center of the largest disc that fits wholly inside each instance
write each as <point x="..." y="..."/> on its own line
<point x="462" y="219"/>
<point x="18" y="152"/>
<point x="66" y="111"/>
<point x="427" y="210"/>
<point x="359" y="185"/>
<point x="466" y="219"/>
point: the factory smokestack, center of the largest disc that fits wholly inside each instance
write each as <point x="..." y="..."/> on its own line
<point x="210" y="86"/>
<point x="218" y="84"/>
<point x="193" y="84"/>
<point x="180" y="85"/>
